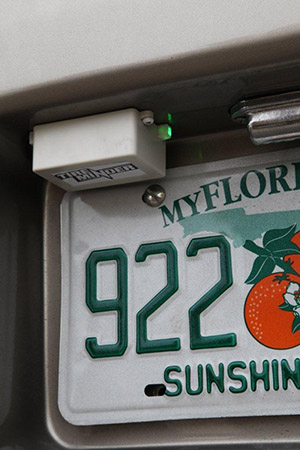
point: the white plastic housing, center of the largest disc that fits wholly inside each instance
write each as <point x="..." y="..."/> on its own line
<point x="96" y="151"/>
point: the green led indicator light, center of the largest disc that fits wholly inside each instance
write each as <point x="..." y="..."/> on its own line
<point x="169" y="118"/>
<point x="164" y="132"/>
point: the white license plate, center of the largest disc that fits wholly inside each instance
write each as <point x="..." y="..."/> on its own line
<point x="188" y="310"/>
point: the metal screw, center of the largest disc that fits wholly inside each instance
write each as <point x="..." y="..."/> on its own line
<point x="147" y="117"/>
<point x="154" y="195"/>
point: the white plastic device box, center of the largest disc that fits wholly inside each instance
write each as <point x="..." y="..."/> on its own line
<point x="99" y="150"/>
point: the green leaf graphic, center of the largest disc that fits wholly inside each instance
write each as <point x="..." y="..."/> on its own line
<point x="296" y="324"/>
<point x="286" y="266"/>
<point x="286" y="307"/>
<point x="278" y="239"/>
<point x="262" y="267"/>
<point x="289" y="249"/>
<point x="252" y="247"/>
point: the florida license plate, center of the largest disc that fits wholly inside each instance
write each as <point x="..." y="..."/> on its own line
<point x="186" y="310"/>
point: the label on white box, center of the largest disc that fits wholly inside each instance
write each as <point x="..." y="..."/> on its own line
<point x="103" y="172"/>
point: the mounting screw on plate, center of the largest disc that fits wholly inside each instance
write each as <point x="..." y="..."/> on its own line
<point x="147" y="117"/>
<point x="154" y="195"/>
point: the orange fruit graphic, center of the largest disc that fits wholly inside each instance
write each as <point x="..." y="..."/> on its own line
<point x="296" y="239"/>
<point x="268" y="324"/>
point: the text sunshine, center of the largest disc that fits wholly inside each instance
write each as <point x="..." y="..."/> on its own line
<point x="236" y="377"/>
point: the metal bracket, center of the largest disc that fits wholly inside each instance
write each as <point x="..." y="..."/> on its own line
<point x="270" y="119"/>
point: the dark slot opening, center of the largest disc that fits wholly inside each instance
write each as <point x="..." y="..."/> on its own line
<point x="155" y="390"/>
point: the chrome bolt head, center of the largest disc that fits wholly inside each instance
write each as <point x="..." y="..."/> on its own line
<point x="154" y="195"/>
